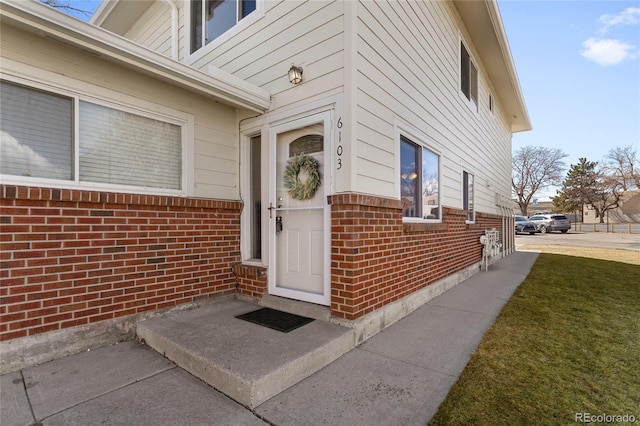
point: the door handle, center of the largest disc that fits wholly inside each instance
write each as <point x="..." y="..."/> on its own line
<point x="278" y="224"/>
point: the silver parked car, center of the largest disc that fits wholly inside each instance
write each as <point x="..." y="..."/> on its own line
<point x="523" y="225"/>
<point x="551" y="222"/>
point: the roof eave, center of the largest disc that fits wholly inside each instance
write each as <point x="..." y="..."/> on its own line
<point x="119" y="16"/>
<point x="46" y="21"/>
<point x="477" y="16"/>
<point x="102" y="12"/>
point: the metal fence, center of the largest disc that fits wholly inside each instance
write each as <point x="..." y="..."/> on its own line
<point x="622" y="228"/>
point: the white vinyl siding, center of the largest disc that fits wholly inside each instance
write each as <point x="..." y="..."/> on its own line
<point x="408" y="70"/>
<point x="262" y="46"/>
<point x="397" y="79"/>
<point x="405" y="66"/>
<point x="216" y="168"/>
<point x="153" y="29"/>
<point x="305" y="33"/>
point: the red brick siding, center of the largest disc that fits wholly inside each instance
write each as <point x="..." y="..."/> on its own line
<point x="70" y="257"/>
<point x="252" y="280"/>
<point x="376" y="259"/>
<point x="77" y="257"/>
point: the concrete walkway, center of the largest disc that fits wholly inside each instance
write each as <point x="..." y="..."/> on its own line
<point x="398" y="377"/>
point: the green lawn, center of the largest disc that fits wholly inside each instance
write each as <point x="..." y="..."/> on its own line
<point x="567" y="342"/>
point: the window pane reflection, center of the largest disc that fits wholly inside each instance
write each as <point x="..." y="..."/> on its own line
<point x="430" y="187"/>
<point x="409" y="187"/>
<point x="419" y="186"/>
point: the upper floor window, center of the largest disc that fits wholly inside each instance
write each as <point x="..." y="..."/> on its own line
<point x="419" y="180"/>
<point x="111" y="146"/>
<point x="468" y="77"/>
<point x="212" y="18"/>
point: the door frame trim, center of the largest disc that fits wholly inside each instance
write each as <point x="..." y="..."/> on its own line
<point x="323" y="118"/>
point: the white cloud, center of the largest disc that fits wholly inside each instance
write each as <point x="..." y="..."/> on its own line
<point x="606" y="52"/>
<point x="21" y="160"/>
<point x="629" y="16"/>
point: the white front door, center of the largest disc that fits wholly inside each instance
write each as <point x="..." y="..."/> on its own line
<point x="299" y="226"/>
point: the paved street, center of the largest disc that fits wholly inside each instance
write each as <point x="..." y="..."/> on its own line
<point x="606" y="240"/>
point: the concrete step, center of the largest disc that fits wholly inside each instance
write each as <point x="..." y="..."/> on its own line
<point x="247" y="362"/>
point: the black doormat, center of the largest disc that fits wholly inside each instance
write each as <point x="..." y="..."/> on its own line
<point x="276" y="320"/>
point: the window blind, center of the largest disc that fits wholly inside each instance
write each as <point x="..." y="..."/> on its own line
<point x="36" y="133"/>
<point x="118" y="147"/>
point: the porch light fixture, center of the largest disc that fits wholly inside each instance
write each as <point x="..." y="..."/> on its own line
<point x="295" y="74"/>
<point x="411" y="176"/>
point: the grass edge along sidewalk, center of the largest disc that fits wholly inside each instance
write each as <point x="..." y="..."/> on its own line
<point x="564" y="349"/>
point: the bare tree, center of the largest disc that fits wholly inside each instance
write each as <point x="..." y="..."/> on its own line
<point x="606" y="195"/>
<point x="534" y="169"/>
<point x="66" y="5"/>
<point x="623" y="164"/>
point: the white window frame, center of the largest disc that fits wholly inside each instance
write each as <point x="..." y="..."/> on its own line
<point x="234" y="30"/>
<point x="471" y="216"/>
<point x="246" y="240"/>
<point x="472" y="102"/>
<point x="413" y="135"/>
<point x="83" y="92"/>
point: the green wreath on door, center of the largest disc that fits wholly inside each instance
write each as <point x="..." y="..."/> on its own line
<point x="297" y="189"/>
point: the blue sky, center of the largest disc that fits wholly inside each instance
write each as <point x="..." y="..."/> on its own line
<point x="579" y="69"/>
<point x="88" y="5"/>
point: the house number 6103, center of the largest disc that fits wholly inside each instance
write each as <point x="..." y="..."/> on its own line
<point x="339" y="148"/>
